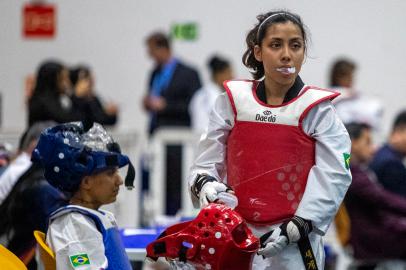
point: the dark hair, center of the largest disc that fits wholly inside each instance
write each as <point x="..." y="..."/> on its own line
<point x="400" y="121"/>
<point x="257" y="34"/>
<point x="33" y="133"/>
<point x="74" y="73"/>
<point x="341" y="67"/>
<point x="355" y="129"/>
<point x="159" y="39"/>
<point x="217" y="64"/>
<point x="47" y="78"/>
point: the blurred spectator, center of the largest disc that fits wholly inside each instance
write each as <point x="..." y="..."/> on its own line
<point x="28" y="141"/>
<point x="171" y="87"/>
<point x="4" y="157"/>
<point x="352" y="105"/>
<point x="26" y="209"/>
<point x="388" y="160"/>
<point x="29" y="85"/>
<point x="50" y="99"/>
<point x="83" y="93"/>
<point x="378" y="217"/>
<point x="203" y="101"/>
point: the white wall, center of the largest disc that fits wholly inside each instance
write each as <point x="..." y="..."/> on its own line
<point x="109" y="36"/>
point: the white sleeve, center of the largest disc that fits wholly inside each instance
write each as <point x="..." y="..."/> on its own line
<point x="211" y="156"/>
<point x="199" y="109"/>
<point x="76" y="234"/>
<point x="329" y="178"/>
<point x="11" y="175"/>
<point x="7" y="181"/>
<point x="194" y="112"/>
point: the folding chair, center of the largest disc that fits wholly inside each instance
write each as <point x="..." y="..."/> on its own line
<point x="10" y="261"/>
<point x="46" y="254"/>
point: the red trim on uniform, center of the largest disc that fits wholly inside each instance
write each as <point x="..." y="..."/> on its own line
<point x="304" y="89"/>
<point x="311" y="106"/>
<point x="230" y="97"/>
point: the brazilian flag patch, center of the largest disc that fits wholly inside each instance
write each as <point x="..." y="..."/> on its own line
<point x="79" y="260"/>
<point x="347" y="158"/>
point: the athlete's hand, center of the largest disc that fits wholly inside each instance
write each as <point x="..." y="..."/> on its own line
<point x="228" y="198"/>
<point x="208" y="190"/>
<point x="290" y="231"/>
<point x="218" y="193"/>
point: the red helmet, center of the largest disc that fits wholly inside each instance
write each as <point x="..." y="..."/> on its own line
<point x="217" y="239"/>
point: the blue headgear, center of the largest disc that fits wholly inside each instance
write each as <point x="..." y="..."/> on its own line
<point x="68" y="153"/>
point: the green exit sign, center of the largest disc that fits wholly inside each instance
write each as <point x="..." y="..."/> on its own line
<point x="185" y="31"/>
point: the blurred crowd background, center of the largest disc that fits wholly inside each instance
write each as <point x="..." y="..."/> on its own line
<point x="150" y="72"/>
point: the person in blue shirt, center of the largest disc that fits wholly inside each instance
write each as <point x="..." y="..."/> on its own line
<point x="171" y="85"/>
<point x="84" y="165"/>
<point x="388" y="160"/>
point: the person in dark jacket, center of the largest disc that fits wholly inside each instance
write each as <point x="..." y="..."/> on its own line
<point x="171" y="87"/>
<point x="50" y="99"/>
<point x="26" y="209"/>
<point x="378" y="216"/>
<point x="84" y="95"/>
<point x="388" y="160"/>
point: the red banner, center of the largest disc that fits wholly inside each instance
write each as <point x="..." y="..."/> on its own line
<point x="39" y="21"/>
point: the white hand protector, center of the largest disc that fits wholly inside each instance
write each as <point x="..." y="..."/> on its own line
<point x="176" y="265"/>
<point x="228" y="199"/>
<point x="217" y="192"/>
<point x="275" y="243"/>
<point x="160" y="263"/>
<point x="289" y="232"/>
<point x="209" y="190"/>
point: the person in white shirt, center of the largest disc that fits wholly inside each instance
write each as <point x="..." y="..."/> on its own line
<point x="277" y="146"/>
<point x="352" y="105"/>
<point x="22" y="162"/>
<point x="84" y="165"/>
<point x="203" y="100"/>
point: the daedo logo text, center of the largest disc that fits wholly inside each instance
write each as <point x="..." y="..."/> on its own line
<point x="266" y="116"/>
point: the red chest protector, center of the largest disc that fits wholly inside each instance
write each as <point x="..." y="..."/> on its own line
<point x="268" y="154"/>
